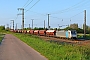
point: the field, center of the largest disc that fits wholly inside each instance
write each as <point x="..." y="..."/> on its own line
<point x="55" y="51"/>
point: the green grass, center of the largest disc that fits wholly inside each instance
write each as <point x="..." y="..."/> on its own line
<point x="82" y="36"/>
<point x="54" y="51"/>
<point x="1" y="37"/>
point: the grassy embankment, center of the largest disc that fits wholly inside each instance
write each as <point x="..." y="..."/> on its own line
<point x="1" y="37"/>
<point x="54" y="51"/>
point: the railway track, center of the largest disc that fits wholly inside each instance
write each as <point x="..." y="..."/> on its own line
<point x="69" y="41"/>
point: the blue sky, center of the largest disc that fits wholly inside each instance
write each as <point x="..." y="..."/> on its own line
<point x="59" y="10"/>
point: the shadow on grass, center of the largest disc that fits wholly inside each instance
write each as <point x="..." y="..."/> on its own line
<point x="60" y="42"/>
<point x="1" y="38"/>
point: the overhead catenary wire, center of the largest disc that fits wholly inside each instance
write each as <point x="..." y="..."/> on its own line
<point x="68" y="8"/>
<point x="38" y="13"/>
<point x="72" y="7"/>
<point x="28" y="3"/>
<point x="76" y="14"/>
<point x="16" y="17"/>
<point x="32" y="6"/>
<point x="51" y="16"/>
<point x="55" y="17"/>
<point x="45" y="15"/>
<point x="68" y="18"/>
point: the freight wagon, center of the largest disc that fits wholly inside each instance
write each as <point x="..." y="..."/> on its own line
<point x="36" y="32"/>
<point x="20" y="31"/>
<point x="51" y="33"/>
<point x="28" y="31"/>
<point x="42" y="32"/>
<point x="31" y="31"/>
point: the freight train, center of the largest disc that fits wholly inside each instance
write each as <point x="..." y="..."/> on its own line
<point x="69" y="34"/>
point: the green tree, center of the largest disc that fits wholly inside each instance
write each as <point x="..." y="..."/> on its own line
<point x="36" y="28"/>
<point x="89" y="29"/>
<point x="68" y="28"/>
<point x="74" y="26"/>
<point x="86" y="26"/>
<point x="2" y="27"/>
<point x="55" y="28"/>
<point x="41" y="28"/>
<point x="79" y="30"/>
<point x="51" y="28"/>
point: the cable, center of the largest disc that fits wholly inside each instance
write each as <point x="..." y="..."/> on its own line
<point x="46" y="15"/>
<point x="32" y="6"/>
<point x="16" y="17"/>
<point x="38" y="13"/>
<point x="55" y="17"/>
<point x="26" y="3"/>
<point x="72" y="7"/>
<point x="76" y="14"/>
<point x="29" y="3"/>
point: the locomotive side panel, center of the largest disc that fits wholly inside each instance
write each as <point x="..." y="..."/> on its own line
<point x="61" y="34"/>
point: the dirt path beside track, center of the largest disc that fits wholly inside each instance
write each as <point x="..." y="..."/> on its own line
<point x="12" y="48"/>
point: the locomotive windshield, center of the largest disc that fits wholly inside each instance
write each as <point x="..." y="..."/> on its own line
<point x="73" y="32"/>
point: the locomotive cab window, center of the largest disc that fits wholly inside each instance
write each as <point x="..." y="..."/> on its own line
<point x="73" y="32"/>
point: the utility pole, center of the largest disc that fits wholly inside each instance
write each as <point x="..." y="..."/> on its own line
<point x="84" y="23"/>
<point x="70" y="22"/>
<point x="10" y="25"/>
<point x="32" y="23"/>
<point x="48" y="22"/>
<point x="22" y="16"/>
<point x="16" y="26"/>
<point x="44" y="24"/>
<point x="59" y="27"/>
<point x="29" y="26"/>
<point x="21" y="27"/>
<point x="13" y="24"/>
